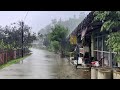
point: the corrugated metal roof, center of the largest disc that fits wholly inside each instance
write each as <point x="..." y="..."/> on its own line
<point x="87" y="22"/>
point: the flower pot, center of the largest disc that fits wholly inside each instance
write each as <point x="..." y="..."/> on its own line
<point x="94" y="72"/>
<point x="116" y="73"/>
<point x="105" y="73"/>
<point x="85" y="72"/>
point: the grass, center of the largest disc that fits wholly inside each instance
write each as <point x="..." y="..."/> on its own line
<point x="12" y="62"/>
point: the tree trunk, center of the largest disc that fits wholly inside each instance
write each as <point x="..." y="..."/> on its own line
<point x="62" y="54"/>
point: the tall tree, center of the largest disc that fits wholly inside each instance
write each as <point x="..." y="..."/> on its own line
<point x="58" y="37"/>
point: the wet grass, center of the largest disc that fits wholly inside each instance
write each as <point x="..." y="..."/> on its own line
<point x="13" y="62"/>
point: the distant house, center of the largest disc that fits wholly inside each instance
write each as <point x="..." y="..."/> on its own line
<point x="92" y="40"/>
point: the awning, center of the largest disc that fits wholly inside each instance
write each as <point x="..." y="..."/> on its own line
<point x="83" y="33"/>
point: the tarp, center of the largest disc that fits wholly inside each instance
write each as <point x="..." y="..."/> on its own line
<point x="73" y="39"/>
<point x="83" y="33"/>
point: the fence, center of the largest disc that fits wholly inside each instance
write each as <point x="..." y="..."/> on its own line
<point x="6" y="56"/>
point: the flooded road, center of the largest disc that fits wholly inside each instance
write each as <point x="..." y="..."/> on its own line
<point x="40" y="65"/>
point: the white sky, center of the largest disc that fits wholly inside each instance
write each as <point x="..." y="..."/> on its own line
<point x="36" y="19"/>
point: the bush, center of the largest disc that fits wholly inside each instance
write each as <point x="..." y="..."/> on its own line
<point x="55" y="45"/>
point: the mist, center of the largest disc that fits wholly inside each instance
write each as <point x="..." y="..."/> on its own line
<point x="37" y="19"/>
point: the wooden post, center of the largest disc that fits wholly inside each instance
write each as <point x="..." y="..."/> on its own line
<point x="6" y="57"/>
<point x="14" y="54"/>
<point x="0" y="58"/>
<point x="3" y="57"/>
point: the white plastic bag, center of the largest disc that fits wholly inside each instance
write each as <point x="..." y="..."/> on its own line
<point x="80" y="60"/>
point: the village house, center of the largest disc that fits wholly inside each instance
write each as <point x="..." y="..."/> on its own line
<point x="92" y="40"/>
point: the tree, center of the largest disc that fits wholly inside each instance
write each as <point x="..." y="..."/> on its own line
<point x="11" y="36"/>
<point x="54" y="21"/>
<point x="50" y="34"/>
<point x="58" y="36"/>
<point x="111" y="21"/>
<point x="55" y="45"/>
<point x="58" y="33"/>
<point x="71" y="23"/>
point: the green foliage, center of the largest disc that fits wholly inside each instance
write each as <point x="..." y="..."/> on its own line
<point x="11" y="36"/>
<point x="55" y="45"/>
<point x="110" y="19"/>
<point x="58" y="33"/>
<point x="2" y="45"/>
<point x="101" y="15"/>
<point x="113" y="41"/>
<point x="58" y="30"/>
<point x="56" y="37"/>
<point x="12" y="62"/>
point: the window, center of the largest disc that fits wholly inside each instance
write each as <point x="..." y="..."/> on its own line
<point x="105" y="48"/>
<point x="113" y="56"/>
<point x="95" y="43"/>
<point x="99" y="55"/>
<point x="95" y="53"/>
<point x="106" y="58"/>
<point x="100" y="43"/>
<point x="101" y="50"/>
<point x="113" y="59"/>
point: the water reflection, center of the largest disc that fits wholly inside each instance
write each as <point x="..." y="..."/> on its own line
<point x="40" y="65"/>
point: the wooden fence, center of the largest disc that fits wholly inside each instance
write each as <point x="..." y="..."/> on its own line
<point x="6" y="56"/>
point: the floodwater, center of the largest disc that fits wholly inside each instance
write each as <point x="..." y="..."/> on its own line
<point x="41" y="65"/>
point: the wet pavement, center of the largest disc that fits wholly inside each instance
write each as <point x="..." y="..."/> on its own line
<point x="41" y="65"/>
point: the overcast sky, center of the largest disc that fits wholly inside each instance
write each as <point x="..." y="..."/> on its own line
<point x="36" y="19"/>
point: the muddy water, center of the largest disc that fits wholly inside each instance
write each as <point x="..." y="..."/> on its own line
<point x="41" y="65"/>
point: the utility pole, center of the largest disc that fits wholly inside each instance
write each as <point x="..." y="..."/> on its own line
<point x="22" y="36"/>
